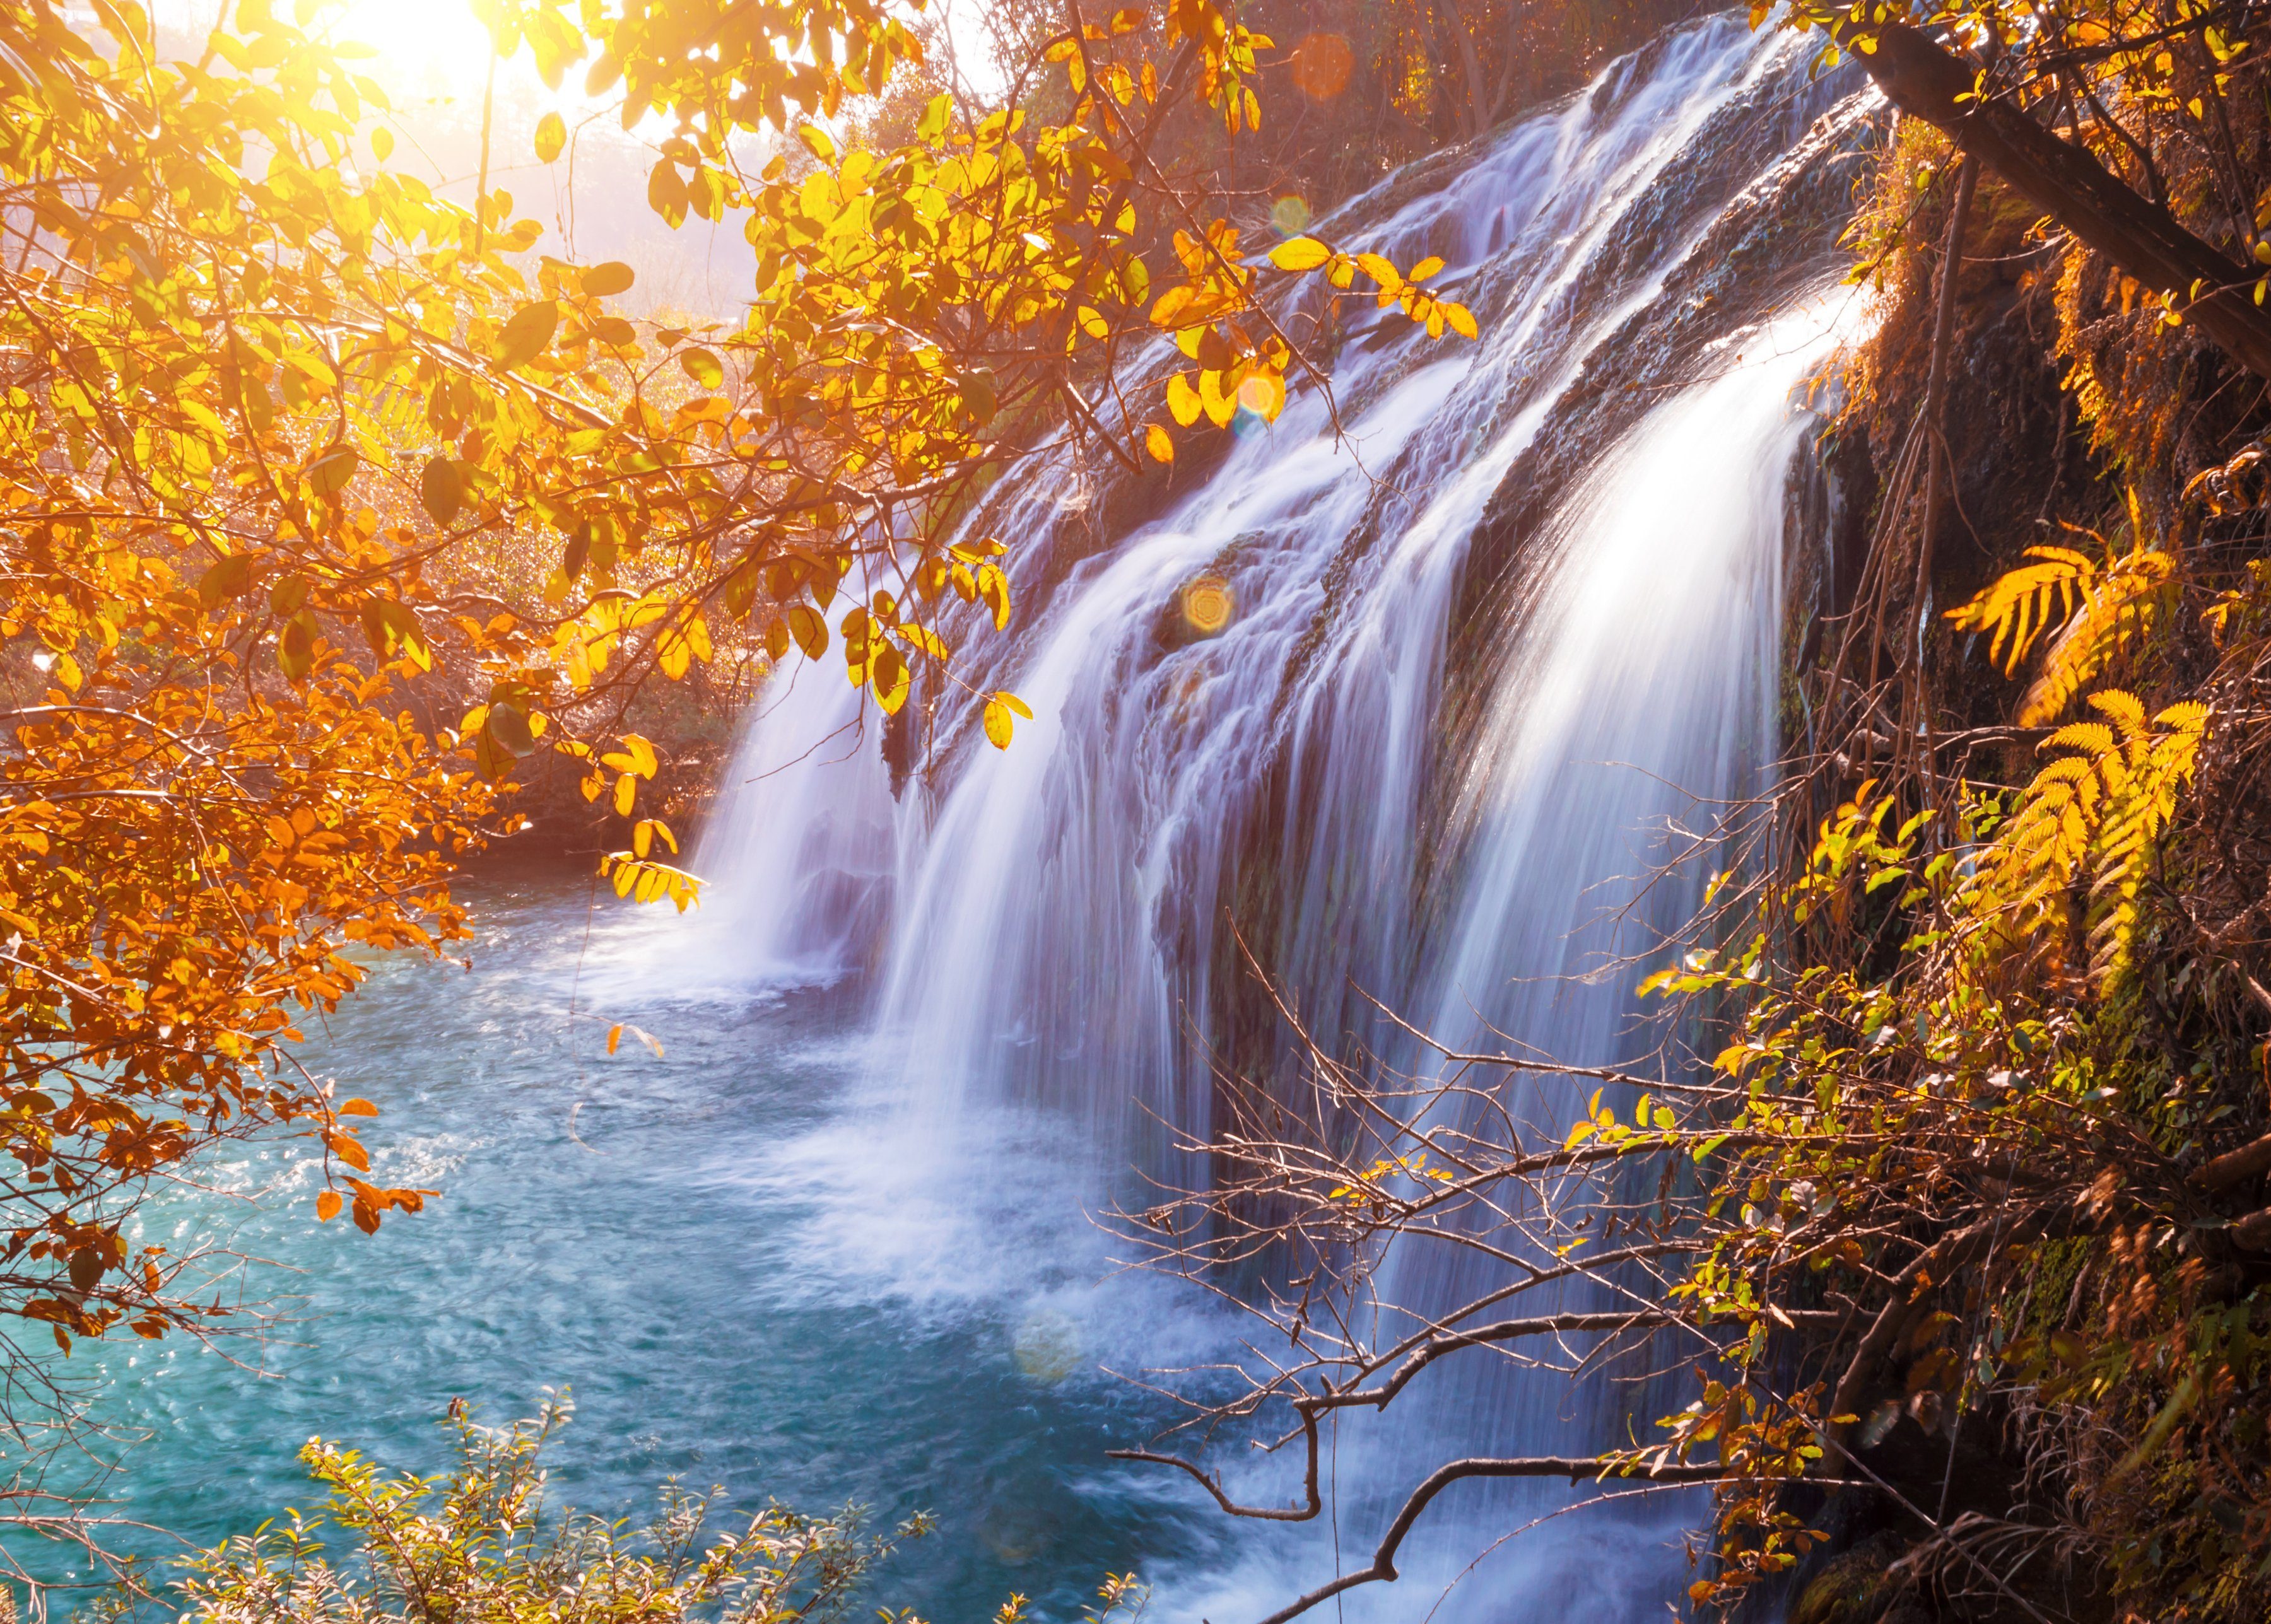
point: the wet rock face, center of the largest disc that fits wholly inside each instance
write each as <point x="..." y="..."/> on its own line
<point x="1749" y="211"/>
<point x="1861" y="1587"/>
<point x="1765" y="229"/>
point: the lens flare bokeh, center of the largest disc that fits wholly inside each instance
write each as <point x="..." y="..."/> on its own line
<point x="1208" y="605"/>
<point x="1290" y="215"/>
<point x="1264" y="394"/>
<point x="1322" y="65"/>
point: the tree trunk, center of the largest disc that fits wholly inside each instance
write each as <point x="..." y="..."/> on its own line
<point x="2068" y="184"/>
<point x="1477" y="117"/>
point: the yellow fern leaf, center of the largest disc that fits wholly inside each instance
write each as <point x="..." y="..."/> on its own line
<point x="2097" y="815"/>
<point x="2126" y="710"/>
<point x="2099" y="609"/>
<point x="2187" y="720"/>
<point x="2095" y="737"/>
<point x="2118" y="606"/>
<point x="2019" y="605"/>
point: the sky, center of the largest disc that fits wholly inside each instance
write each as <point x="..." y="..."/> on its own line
<point x="434" y="61"/>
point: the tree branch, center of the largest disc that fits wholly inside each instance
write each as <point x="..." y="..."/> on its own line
<point x="1578" y="1471"/>
<point x="2074" y="190"/>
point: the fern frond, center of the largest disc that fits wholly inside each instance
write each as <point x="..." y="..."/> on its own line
<point x="2097" y="815"/>
<point x="2185" y="720"/>
<point x="2099" y="609"/>
<point x="2094" y="736"/>
<point x="2118" y="607"/>
<point x="2159" y="765"/>
<point x="2125" y="707"/>
<point x="2018" y="606"/>
<point x="2044" y="843"/>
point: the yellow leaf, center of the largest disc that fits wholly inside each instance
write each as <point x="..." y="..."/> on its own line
<point x="358" y="1107"/>
<point x="1156" y="441"/>
<point x="1220" y="407"/>
<point x="551" y="137"/>
<point x="1183" y="400"/>
<point x="1301" y="254"/>
<point x="615" y="1037"/>
<point x="1167" y="309"/>
<point x="1461" y="320"/>
<point x="888" y="674"/>
<point x="605" y="281"/>
<point x="923" y="639"/>
<point x="528" y="334"/>
<point x="626" y="794"/>
<point x="997" y="723"/>
<point x="327" y="1206"/>
<point x="704" y="368"/>
<point x="809" y="630"/>
<point x="994" y="591"/>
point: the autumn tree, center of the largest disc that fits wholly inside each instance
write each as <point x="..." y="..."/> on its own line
<point x="2084" y="111"/>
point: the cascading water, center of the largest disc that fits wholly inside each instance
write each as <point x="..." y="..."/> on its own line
<point x="1504" y="613"/>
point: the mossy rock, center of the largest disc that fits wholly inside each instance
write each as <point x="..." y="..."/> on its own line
<point x="1856" y="1588"/>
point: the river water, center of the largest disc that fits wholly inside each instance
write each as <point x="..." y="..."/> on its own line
<point x="685" y="1243"/>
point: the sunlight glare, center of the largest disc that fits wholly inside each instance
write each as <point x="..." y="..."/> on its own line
<point x="426" y="48"/>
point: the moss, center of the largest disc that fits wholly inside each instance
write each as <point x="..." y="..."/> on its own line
<point x="1860" y="1587"/>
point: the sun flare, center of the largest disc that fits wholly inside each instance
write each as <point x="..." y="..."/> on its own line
<point x="427" y="49"/>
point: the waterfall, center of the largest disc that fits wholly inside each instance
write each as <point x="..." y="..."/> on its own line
<point x="1637" y="696"/>
<point x="1503" y="615"/>
<point x="805" y="830"/>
